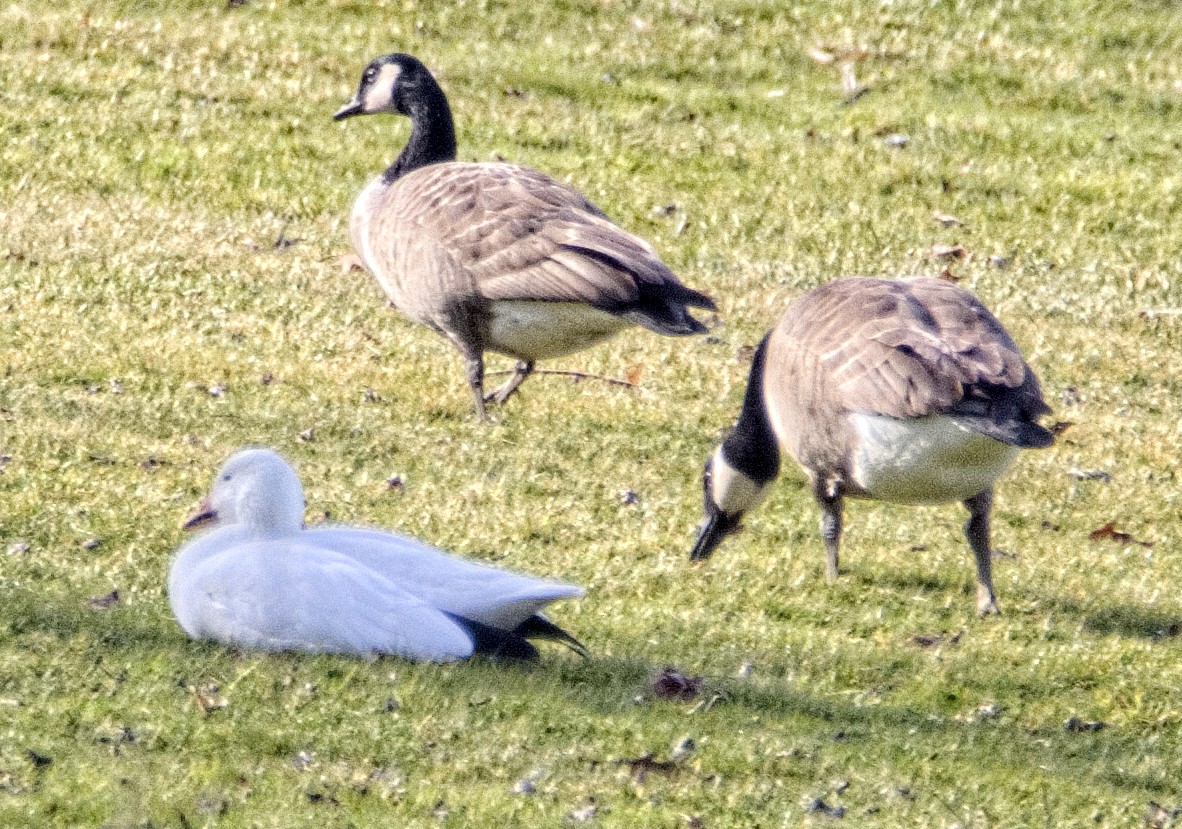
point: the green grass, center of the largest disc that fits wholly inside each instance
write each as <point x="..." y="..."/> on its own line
<point x="150" y="155"/>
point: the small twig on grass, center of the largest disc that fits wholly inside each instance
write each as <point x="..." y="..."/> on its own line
<point x="1150" y="313"/>
<point x="578" y="375"/>
<point x="639" y="767"/>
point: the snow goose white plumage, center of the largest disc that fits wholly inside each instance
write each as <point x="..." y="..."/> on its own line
<point x="259" y="579"/>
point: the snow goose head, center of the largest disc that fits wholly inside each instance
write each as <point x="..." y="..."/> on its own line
<point x="255" y="488"/>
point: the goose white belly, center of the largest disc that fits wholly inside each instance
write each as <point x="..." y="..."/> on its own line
<point x="533" y="330"/>
<point x="925" y="460"/>
<point x="359" y="219"/>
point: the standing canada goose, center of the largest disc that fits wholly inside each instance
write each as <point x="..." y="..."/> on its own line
<point x="893" y="390"/>
<point x="498" y="257"/>
<point x="260" y="579"/>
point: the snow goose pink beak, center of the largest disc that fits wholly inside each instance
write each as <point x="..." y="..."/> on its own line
<point x="203" y="516"/>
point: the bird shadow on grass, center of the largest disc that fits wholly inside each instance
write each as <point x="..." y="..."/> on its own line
<point x="1129" y="620"/>
<point x="1119" y="619"/>
<point x="908" y="581"/>
<point x="605" y="686"/>
<point x="64" y="617"/>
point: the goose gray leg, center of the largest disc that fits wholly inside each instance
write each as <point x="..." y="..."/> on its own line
<point x="523" y="369"/>
<point x="475" y="365"/>
<point x="976" y="530"/>
<point x="828" y="495"/>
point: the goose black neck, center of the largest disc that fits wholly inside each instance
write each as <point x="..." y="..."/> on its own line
<point x="432" y="133"/>
<point x="751" y="447"/>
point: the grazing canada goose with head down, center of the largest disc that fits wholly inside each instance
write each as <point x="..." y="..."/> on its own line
<point x="259" y="579"/>
<point x="498" y="257"/>
<point x="904" y="390"/>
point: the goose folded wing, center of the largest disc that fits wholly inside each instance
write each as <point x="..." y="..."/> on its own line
<point x="280" y="595"/>
<point x="920" y="347"/>
<point x="489" y="595"/>
<point x="525" y="236"/>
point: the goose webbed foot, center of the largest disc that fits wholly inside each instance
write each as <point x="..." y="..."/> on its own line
<point x="523" y="369"/>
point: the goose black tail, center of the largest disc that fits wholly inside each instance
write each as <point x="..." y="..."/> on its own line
<point x="495" y="642"/>
<point x="1021" y="433"/>
<point x="539" y="627"/>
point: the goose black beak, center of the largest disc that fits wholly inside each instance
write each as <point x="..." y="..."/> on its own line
<point x="717" y="526"/>
<point x="203" y="516"/>
<point x="348" y="110"/>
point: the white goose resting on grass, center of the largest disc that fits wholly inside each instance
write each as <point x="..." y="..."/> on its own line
<point x="905" y="390"/>
<point x="259" y="579"/>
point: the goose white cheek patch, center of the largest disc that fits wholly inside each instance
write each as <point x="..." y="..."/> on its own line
<point x="732" y="491"/>
<point x="377" y="96"/>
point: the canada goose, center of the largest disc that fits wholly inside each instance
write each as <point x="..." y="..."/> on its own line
<point x="261" y="580"/>
<point x="893" y="390"/>
<point x="498" y="257"/>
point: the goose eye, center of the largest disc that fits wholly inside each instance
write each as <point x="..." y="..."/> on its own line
<point x="370" y="74"/>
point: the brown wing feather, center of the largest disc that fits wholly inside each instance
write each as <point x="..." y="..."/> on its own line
<point x="517" y="234"/>
<point x="908" y="348"/>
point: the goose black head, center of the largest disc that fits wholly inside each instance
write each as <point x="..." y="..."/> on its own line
<point x="391" y="83"/>
<point x="729" y="493"/>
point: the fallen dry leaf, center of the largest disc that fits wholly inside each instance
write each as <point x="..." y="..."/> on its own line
<point x="639" y="767"/>
<point x="1159" y="817"/>
<point x="930" y="640"/>
<point x="38" y="759"/>
<point x="824" y="808"/>
<point x="283" y="241"/>
<point x="208" y="698"/>
<point x="350" y="262"/>
<point x="673" y="684"/>
<point x="948" y="252"/>
<point x="946" y="219"/>
<point x="1076" y="725"/>
<point x="1109" y="531"/>
<point x="632" y="375"/>
<point x="948" y="276"/>
<point x="104" y="602"/>
<point x="1060" y="426"/>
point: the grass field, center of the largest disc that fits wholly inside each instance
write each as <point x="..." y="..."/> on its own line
<point x="173" y="199"/>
